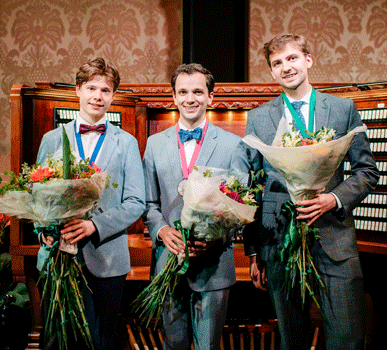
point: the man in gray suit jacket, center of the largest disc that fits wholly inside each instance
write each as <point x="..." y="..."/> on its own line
<point x="102" y="238"/>
<point x="199" y="306"/>
<point x="335" y="254"/>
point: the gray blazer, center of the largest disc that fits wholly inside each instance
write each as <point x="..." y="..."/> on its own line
<point x="107" y="254"/>
<point x="215" y="269"/>
<point x="336" y="228"/>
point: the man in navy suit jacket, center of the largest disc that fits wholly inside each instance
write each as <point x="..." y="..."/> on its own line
<point x="102" y="237"/>
<point x="335" y="254"/>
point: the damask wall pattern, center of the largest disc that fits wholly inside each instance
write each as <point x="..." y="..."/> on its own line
<point x="347" y="38"/>
<point x="47" y="40"/>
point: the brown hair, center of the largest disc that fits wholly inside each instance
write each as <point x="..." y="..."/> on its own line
<point x="97" y="66"/>
<point x="192" y="68"/>
<point x="279" y="42"/>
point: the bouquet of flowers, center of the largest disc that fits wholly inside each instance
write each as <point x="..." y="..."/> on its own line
<point x="216" y="206"/>
<point x="51" y="196"/>
<point x="307" y="166"/>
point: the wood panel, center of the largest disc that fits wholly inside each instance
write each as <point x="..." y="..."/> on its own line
<point x="146" y="109"/>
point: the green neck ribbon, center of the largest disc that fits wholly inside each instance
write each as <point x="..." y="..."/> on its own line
<point x="296" y="118"/>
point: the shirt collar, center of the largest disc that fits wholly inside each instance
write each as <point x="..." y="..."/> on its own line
<point x="305" y="98"/>
<point x="185" y="128"/>
<point x="80" y="121"/>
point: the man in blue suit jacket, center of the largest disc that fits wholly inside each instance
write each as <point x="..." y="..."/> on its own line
<point x="335" y="253"/>
<point x="199" y="305"/>
<point x="102" y="237"/>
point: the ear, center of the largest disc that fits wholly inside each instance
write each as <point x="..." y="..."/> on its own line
<point x="174" y="98"/>
<point x="210" y="98"/>
<point x="77" y="90"/>
<point x="309" y="60"/>
<point x="271" y="72"/>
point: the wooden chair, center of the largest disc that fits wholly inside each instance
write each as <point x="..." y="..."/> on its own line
<point x="250" y="336"/>
<point x="143" y="337"/>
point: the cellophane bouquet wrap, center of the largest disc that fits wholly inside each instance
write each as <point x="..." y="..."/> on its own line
<point x="50" y="196"/>
<point x="211" y="213"/>
<point x="217" y="203"/>
<point x="307" y="168"/>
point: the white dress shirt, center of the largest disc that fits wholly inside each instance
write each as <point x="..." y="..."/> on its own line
<point x="89" y="139"/>
<point x="189" y="146"/>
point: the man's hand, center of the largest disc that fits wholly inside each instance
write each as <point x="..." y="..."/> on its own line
<point x="312" y="209"/>
<point x="172" y="239"/>
<point x="197" y="248"/>
<point x="47" y="240"/>
<point x="258" y="272"/>
<point x="77" y="229"/>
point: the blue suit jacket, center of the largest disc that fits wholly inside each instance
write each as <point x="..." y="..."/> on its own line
<point x="336" y="228"/>
<point x="215" y="269"/>
<point x="107" y="254"/>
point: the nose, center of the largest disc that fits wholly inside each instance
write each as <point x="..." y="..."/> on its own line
<point x="190" y="97"/>
<point x="97" y="94"/>
<point x="286" y="66"/>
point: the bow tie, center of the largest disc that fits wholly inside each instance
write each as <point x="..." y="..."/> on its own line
<point x="84" y="128"/>
<point x="186" y="135"/>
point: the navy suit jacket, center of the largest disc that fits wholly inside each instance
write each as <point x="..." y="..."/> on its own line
<point x="107" y="254"/>
<point x="336" y="228"/>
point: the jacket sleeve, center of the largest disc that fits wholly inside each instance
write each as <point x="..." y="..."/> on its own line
<point x="364" y="173"/>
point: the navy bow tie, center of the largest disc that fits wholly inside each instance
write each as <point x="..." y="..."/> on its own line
<point x="186" y="135"/>
<point x="84" y="128"/>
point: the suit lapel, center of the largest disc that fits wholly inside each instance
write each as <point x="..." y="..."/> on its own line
<point x="173" y="154"/>
<point x="109" y="145"/>
<point x="321" y="111"/>
<point x="208" y="146"/>
<point x="276" y="113"/>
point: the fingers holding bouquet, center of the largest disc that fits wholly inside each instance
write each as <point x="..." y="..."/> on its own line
<point x="47" y="240"/>
<point x="312" y="209"/>
<point x="199" y="247"/>
<point x="75" y="230"/>
<point x="172" y="239"/>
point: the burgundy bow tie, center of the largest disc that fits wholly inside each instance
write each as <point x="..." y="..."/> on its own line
<point x="84" y="128"/>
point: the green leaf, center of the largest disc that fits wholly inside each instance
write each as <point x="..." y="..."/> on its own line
<point x="66" y="156"/>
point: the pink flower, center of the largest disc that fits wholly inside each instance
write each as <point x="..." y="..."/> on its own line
<point x="236" y="197"/>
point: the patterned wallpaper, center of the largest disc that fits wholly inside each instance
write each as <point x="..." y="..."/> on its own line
<point x="47" y="40"/>
<point x="348" y="38"/>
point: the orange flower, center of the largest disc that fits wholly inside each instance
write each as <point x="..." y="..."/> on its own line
<point x="39" y="174"/>
<point x="97" y="170"/>
<point x="4" y="219"/>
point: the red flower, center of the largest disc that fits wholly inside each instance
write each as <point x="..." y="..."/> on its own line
<point x="307" y="142"/>
<point x="39" y="174"/>
<point x="233" y="195"/>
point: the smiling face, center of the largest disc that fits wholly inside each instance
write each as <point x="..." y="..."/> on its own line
<point x="192" y="98"/>
<point x="95" y="98"/>
<point x="289" y="67"/>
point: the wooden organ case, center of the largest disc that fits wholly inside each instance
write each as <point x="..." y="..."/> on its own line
<point x="145" y="109"/>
